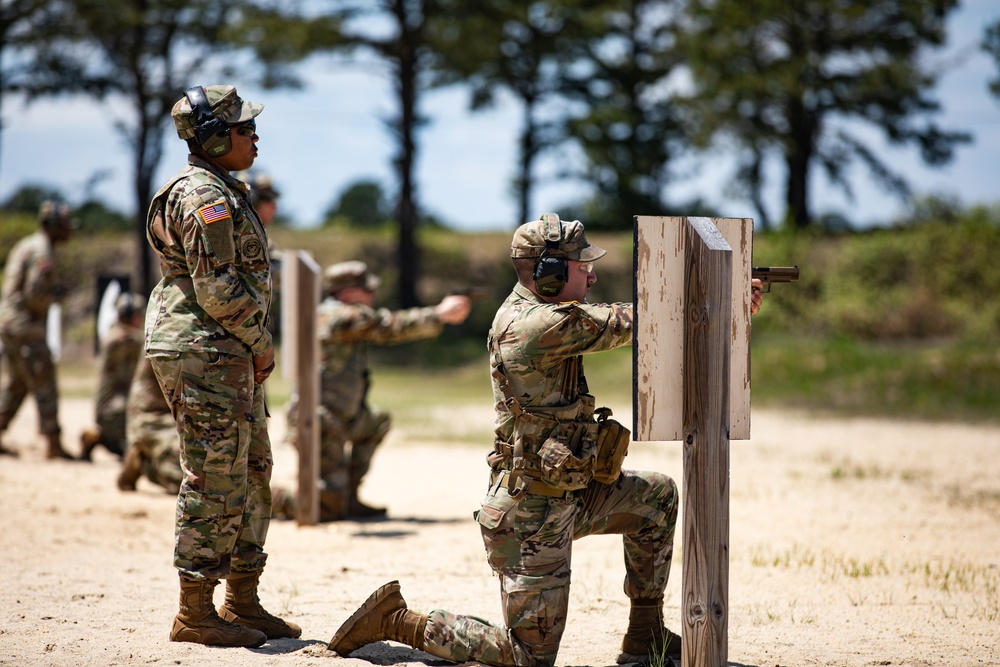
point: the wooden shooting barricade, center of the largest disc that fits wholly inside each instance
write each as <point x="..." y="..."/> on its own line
<point x="301" y="286"/>
<point x="691" y="357"/>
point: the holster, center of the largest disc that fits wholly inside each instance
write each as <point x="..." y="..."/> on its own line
<point x="612" y="446"/>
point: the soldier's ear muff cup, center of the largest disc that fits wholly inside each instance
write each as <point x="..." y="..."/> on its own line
<point x="551" y="273"/>
<point x="211" y="133"/>
<point x="551" y="269"/>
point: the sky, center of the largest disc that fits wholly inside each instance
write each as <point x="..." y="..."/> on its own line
<point x="317" y="141"/>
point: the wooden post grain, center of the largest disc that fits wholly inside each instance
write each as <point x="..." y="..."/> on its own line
<point x="302" y="289"/>
<point x="707" y="334"/>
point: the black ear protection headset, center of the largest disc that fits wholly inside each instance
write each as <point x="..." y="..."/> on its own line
<point x="551" y="270"/>
<point x="211" y="132"/>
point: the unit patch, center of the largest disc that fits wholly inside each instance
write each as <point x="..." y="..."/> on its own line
<point x="214" y="212"/>
<point x="252" y="248"/>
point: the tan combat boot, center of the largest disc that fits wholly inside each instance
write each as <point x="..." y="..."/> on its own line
<point x="383" y="616"/>
<point x="242" y="607"/>
<point x="131" y="470"/>
<point x="198" y="622"/>
<point x="646" y="638"/>
<point x="89" y="439"/>
<point x="55" y="449"/>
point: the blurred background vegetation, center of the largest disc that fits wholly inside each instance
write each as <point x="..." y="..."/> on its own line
<point x="624" y="90"/>
<point x="902" y="321"/>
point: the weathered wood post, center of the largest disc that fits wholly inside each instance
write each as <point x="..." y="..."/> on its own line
<point x="691" y="356"/>
<point x="302" y="289"/>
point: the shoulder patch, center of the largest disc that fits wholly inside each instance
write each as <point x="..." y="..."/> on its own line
<point x="214" y="212"/>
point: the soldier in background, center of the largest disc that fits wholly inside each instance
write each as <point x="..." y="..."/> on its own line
<point x="120" y="350"/>
<point x="264" y="197"/>
<point x="29" y="289"/>
<point x="153" y="444"/>
<point x="542" y="493"/>
<point x="346" y="324"/>
<point x="211" y="351"/>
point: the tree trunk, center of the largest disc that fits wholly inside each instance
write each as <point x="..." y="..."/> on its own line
<point x="798" y="158"/>
<point x="406" y="208"/>
<point x="529" y="147"/>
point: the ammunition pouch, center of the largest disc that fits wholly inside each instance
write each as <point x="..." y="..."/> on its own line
<point x="556" y="452"/>
<point x="495" y="512"/>
<point x="559" y="456"/>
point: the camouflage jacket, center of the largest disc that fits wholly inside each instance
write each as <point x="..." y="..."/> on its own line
<point x="215" y="292"/>
<point x="540" y="346"/>
<point x="29" y="287"/>
<point x="119" y="354"/>
<point x="344" y="331"/>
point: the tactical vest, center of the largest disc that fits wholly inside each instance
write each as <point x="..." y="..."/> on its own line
<point x="555" y="445"/>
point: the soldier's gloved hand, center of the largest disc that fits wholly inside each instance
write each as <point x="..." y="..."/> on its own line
<point x="263" y="364"/>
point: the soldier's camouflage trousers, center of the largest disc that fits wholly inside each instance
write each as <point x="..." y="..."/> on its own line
<point x="155" y="436"/>
<point x="530" y="548"/>
<point x="29" y="367"/>
<point x="224" y="505"/>
<point x="111" y="421"/>
<point x="365" y="432"/>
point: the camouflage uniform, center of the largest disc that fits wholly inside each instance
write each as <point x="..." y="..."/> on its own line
<point x="151" y="431"/>
<point x="541" y="493"/>
<point x="119" y="354"/>
<point x="344" y="331"/>
<point x="29" y="288"/>
<point x="205" y="322"/>
<point x="264" y="194"/>
<point x="529" y="542"/>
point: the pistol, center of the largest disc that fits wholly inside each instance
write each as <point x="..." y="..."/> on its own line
<point x="474" y="293"/>
<point x="774" y="274"/>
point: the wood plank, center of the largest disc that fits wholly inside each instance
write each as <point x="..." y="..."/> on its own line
<point x="302" y="285"/>
<point x="659" y="247"/>
<point x="707" y="336"/>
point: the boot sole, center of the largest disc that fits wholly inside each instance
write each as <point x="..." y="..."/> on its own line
<point x="348" y="625"/>
<point x="191" y="636"/>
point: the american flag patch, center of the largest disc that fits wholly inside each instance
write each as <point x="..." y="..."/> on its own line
<point x="214" y="212"/>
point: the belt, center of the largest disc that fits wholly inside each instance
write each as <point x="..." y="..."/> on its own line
<point x="535" y="486"/>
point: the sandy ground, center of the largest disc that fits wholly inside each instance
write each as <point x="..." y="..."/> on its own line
<point x="853" y="542"/>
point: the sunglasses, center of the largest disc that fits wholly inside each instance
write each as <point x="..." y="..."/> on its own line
<point x="247" y="129"/>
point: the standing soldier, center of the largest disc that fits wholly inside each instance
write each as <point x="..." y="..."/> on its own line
<point x="120" y="351"/>
<point x="29" y="288"/>
<point x="209" y="346"/>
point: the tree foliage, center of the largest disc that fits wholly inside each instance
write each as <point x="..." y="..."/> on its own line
<point x="361" y="204"/>
<point x="629" y="131"/>
<point x="991" y="45"/>
<point x="519" y="48"/>
<point x="395" y="32"/>
<point x="149" y="52"/>
<point x="780" y="77"/>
